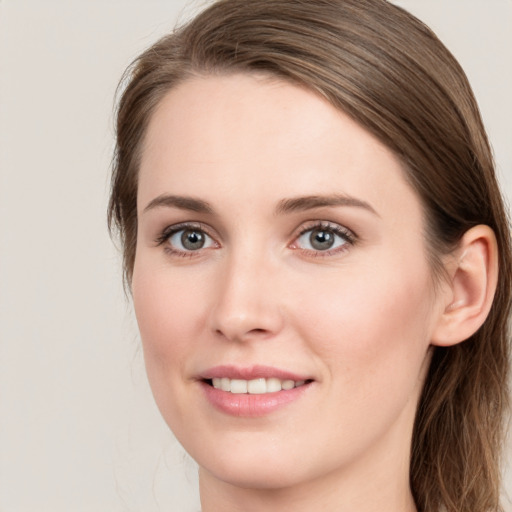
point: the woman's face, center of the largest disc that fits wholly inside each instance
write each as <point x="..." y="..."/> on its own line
<point x="281" y="257"/>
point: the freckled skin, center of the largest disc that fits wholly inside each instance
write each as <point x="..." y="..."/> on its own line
<point x="357" y="319"/>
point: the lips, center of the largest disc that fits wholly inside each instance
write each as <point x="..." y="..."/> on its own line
<point x="252" y="391"/>
<point x="251" y="372"/>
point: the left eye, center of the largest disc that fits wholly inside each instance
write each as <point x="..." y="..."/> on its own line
<point x="190" y="239"/>
<point x="322" y="239"/>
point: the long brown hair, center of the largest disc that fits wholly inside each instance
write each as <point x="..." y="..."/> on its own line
<point x="387" y="70"/>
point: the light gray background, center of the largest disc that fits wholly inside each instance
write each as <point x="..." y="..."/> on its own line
<point x="78" y="428"/>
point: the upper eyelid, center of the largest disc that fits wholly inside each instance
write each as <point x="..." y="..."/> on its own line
<point x="325" y="224"/>
<point x="311" y="224"/>
<point x="172" y="229"/>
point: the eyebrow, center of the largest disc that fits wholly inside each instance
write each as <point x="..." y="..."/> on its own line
<point x="316" y="201"/>
<point x="182" y="202"/>
<point x="284" y="206"/>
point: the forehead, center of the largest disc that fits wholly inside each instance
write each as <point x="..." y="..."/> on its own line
<point x="263" y="138"/>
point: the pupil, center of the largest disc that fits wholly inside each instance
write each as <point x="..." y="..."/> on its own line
<point x="321" y="240"/>
<point x="192" y="240"/>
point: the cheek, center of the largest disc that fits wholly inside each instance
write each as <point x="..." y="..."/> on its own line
<point x="168" y="320"/>
<point x="373" y="339"/>
<point x="167" y="307"/>
<point x="373" y="328"/>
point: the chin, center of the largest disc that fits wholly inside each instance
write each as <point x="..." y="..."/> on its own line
<point x="243" y="462"/>
<point x="255" y="474"/>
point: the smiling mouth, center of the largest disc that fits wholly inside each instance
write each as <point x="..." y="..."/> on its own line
<point x="255" y="386"/>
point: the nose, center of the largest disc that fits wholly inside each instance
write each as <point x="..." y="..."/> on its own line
<point x="247" y="301"/>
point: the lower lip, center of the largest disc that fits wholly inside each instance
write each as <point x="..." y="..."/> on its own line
<point x="251" y="406"/>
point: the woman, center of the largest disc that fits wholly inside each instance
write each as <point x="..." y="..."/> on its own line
<point x="319" y="258"/>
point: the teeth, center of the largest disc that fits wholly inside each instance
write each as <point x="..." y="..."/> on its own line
<point x="225" y="384"/>
<point x="238" y="386"/>
<point x="255" y="386"/>
<point x="273" y="385"/>
<point x="288" y="384"/>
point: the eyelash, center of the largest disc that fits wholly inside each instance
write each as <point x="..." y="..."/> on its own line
<point x="170" y="231"/>
<point x="345" y="234"/>
<point x="348" y="236"/>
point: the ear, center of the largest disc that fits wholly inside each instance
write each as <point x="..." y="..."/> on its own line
<point x="471" y="284"/>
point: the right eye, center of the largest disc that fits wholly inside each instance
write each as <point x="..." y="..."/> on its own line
<point x="184" y="240"/>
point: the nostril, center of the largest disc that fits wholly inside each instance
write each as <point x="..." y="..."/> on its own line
<point x="245" y="321"/>
<point x="240" y="336"/>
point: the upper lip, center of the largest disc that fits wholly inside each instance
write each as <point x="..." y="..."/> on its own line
<point x="250" y="372"/>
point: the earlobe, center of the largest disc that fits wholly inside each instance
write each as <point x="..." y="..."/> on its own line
<point x="472" y="285"/>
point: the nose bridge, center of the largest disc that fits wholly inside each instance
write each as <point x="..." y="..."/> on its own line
<point x="247" y="303"/>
